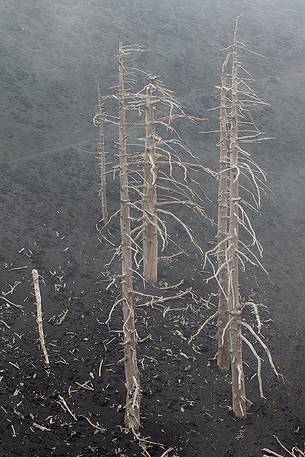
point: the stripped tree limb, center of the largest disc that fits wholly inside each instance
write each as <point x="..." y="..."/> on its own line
<point x="39" y="319"/>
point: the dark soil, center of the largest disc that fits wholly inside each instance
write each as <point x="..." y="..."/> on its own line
<point x="51" y="56"/>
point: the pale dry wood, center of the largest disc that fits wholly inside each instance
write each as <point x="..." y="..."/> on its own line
<point x="150" y="232"/>
<point x="39" y="318"/>
<point x="133" y="395"/>
<point x="223" y="350"/>
<point x="236" y="252"/>
<point x="234" y="305"/>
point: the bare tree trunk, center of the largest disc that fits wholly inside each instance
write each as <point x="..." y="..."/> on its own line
<point x="39" y="319"/>
<point x="223" y="354"/>
<point x="132" y="411"/>
<point x="150" y="235"/>
<point x="238" y="381"/>
<point x="102" y="156"/>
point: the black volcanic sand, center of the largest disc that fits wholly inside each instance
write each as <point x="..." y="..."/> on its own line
<point x="51" y="56"/>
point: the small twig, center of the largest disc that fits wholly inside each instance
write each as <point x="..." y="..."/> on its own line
<point x="11" y="303"/>
<point x="96" y="426"/>
<point x="41" y="427"/>
<point x="209" y="319"/>
<point x="18" y="268"/>
<point x="270" y="452"/>
<point x="65" y="407"/>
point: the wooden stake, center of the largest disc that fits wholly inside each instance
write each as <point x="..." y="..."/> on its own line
<point x="39" y="319"/>
<point x="133" y="397"/>
<point x="150" y="222"/>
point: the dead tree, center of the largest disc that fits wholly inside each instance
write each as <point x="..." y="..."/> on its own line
<point x="163" y="176"/>
<point x="223" y="353"/>
<point x="132" y="411"/>
<point x="99" y="121"/>
<point x="150" y="222"/>
<point x="233" y="251"/>
<point x="157" y="174"/>
<point x="169" y="169"/>
<point x="234" y="305"/>
<point x="164" y="156"/>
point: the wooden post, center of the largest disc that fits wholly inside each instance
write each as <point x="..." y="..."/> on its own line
<point x="235" y="331"/>
<point x="150" y="234"/>
<point x="223" y="354"/>
<point x="133" y="397"/>
<point x="102" y="156"/>
<point x="39" y="319"/>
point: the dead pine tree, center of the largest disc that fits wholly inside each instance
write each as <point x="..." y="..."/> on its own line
<point x="241" y="184"/>
<point x="234" y="304"/>
<point x="168" y="172"/>
<point x="223" y="353"/>
<point x="162" y="173"/>
<point x="99" y="120"/>
<point x="158" y="173"/>
<point x="133" y="395"/>
<point x="150" y="223"/>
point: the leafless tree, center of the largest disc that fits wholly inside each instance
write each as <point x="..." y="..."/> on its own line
<point x="237" y="128"/>
<point x="168" y="177"/>
<point x="157" y="173"/>
<point x="234" y="305"/>
<point x="164" y="175"/>
<point x="223" y="353"/>
<point x="132" y="411"/>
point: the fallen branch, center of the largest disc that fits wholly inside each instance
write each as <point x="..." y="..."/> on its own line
<point x="39" y="316"/>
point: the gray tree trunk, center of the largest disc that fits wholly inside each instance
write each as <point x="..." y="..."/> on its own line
<point x="236" y="353"/>
<point x="150" y="234"/>
<point x="223" y="354"/>
<point x="133" y="397"/>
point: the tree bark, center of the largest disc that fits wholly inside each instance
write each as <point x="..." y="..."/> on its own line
<point x="132" y="411"/>
<point x="223" y="354"/>
<point x="150" y="234"/>
<point x="235" y="332"/>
